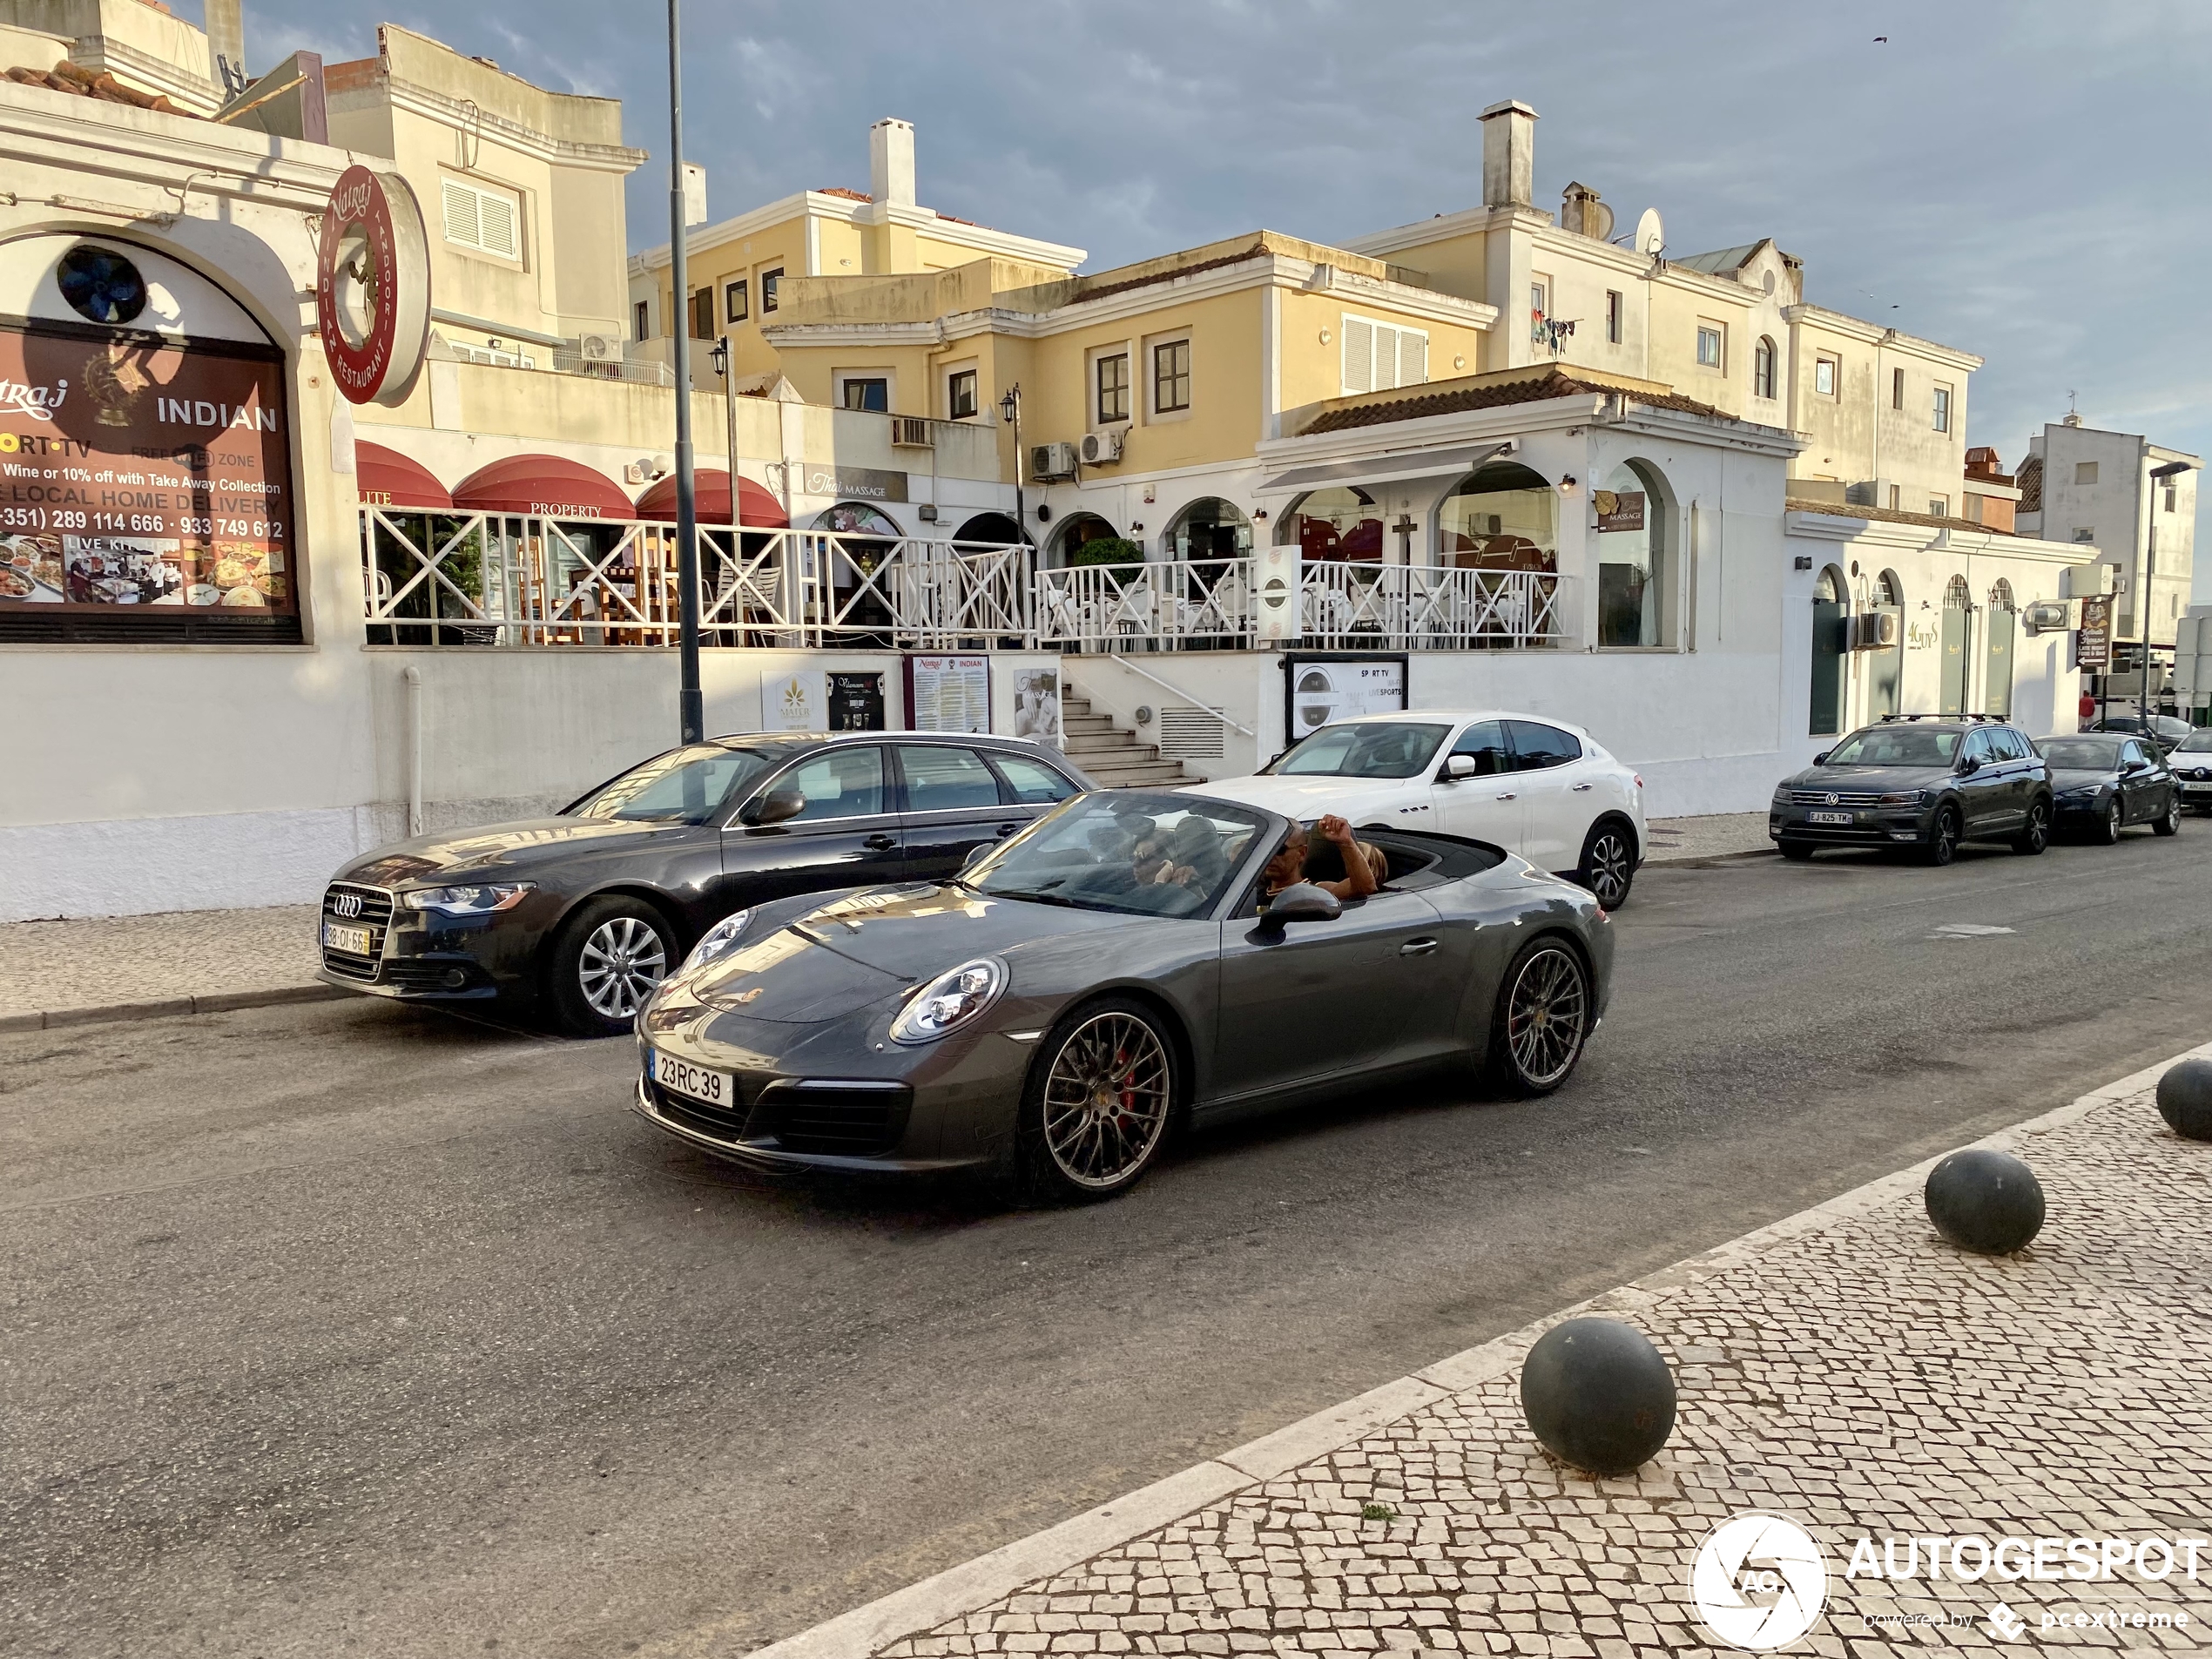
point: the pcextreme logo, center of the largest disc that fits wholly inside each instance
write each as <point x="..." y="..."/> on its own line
<point x="1759" y="1581"/>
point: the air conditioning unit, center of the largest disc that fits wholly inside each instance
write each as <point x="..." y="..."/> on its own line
<point x="1052" y="460"/>
<point x="599" y="348"/>
<point x="2047" y="617"/>
<point x="1100" y="448"/>
<point x="1873" y="631"/>
<point x="911" y="432"/>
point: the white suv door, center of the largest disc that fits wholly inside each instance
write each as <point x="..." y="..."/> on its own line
<point x="1487" y="806"/>
<point x="1558" y="796"/>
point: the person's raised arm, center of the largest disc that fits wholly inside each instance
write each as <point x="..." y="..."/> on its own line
<point x="1358" y="879"/>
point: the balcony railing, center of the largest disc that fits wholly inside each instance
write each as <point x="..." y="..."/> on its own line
<point x="510" y="579"/>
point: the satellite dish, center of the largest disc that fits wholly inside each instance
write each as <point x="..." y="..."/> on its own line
<point x="1649" y="238"/>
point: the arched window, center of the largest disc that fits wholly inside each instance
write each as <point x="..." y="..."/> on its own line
<point x="1209" y="528"/>
<point x="1076" y="531"/>
<point x="857" y="518"/>
<point x="1504" y="517"/>
<point x="1763" y="369"/>
<point x="1635" y="558"/>
<point x="1830" y="642"/>
<point x="1340" y="522"/>
<point x="1885" y="666"/>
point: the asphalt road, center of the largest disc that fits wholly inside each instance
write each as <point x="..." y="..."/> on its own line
<point x="343" y="1328"/>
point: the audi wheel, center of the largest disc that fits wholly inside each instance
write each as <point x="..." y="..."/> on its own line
<point x="606" y="962"/>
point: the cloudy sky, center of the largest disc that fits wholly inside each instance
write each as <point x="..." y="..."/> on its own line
<point x="2026" y="179"/>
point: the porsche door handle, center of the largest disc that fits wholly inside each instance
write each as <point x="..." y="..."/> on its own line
<point x="881" y="843"/>
<point x="1417" y="947"/>
<point x="1579" y="788"/>
<point x="1508" y="797"/>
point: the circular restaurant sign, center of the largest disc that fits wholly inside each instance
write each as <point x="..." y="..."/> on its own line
<point x="372" y="286"/>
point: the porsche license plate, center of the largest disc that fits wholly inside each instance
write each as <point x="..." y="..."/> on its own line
<point x="354" y="942"/>
<point x="1830" y="817"/>
<point x="699" y="1083"/>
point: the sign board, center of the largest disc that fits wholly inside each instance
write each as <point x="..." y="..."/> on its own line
<point x="1322" y="689"/>
<point x="856" y="702"/>
<point x="793" y="702"/>
<point x="948" y="692"/>
<point x="1619" y="510"/>
<point x="2093" y="643"/>
<point x="372" y="286"/>
<point x="855" y="483"/>
<point x="1036" y="706"/>
<point x="1278" y="574"/>
<point x="137" y="471"/>
<point x="2193" y="656"/>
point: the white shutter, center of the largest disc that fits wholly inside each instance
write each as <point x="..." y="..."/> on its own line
<point x="497" y="214"/>
<point x="1386" y="357"/>
<point x="481" y="219"/>
<point x="1358" y="356"/>
<point x="460" y="214"/>
<point x="1413" y="358"/>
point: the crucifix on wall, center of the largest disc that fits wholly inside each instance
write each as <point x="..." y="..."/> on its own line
<point x="1406" y="527"/>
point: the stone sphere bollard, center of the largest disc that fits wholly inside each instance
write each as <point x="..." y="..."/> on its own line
<point x="2185" y="1099"/>
<point x="1984" y="1200"/>
<point x="1597" y="1394"/>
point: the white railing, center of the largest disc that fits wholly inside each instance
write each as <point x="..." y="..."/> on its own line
<point x="520" y="579"/>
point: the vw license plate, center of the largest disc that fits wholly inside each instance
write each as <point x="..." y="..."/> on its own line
<point x="1830" y="817"/>
<point x="354" y="942"/>
<point x="701" y="1083"/>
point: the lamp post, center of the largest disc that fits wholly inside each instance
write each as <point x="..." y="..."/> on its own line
<point x="1010" y="407"/>
<point x="691" y="709"/>
<point x="2151" y="569"/>
<point x="725" y="361"/>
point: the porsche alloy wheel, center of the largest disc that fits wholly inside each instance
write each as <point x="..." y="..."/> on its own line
<point x="1543" y="1018"/>
<point x="1108" y="1093"/>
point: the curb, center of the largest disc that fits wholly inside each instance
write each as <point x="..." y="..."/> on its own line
<point x="974" y="1584"/>
<point x="213" y="1002"/>
<point x="1699" y="860"/>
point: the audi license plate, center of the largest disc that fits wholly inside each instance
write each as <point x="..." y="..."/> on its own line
<point x="714" y="1088"/>
<point x="1830" y="817"/>
<point x="354" y="942"/>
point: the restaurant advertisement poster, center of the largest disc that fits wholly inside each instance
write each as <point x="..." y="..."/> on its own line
<point x="1036" y="706"/>
<point x="948" y="692"/>
<point x="140" y="471"/>
<point x="793" y="702"/>
<point x="1322" y="689"/>
<point x="856" y="701"/>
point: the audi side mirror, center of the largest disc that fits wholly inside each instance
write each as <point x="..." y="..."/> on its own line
<point x="1458" y="768"/>
<point x="1821" y="759"/>
<point x="773" y="807"/>
<point x="1301" y="901"/>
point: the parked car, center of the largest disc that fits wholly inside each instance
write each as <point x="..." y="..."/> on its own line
<point x="1060" y="1007"/>
<point x="2103" y="781"/>
<point x="2191" y="760"/>
<point x="582" y="914"/>
<point x="1537" y="787"/>
<point x="2165" y="729"/>
<point x="1920" y="781"/>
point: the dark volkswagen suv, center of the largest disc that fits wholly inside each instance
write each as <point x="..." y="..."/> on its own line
<point x="1923" y="781"/>
<point x="584" y="912"/>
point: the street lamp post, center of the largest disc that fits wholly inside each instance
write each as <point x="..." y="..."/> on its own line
<point x="2151" y="569"/>
<point x="691" y="709"/>
<point x="1010" y="407"/>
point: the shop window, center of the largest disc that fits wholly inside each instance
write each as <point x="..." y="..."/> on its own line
<point x="1943" y="408"/>
<point x="1823" y="376"/>
<point x="1379" y="357"/>
<point x="1505" y="518"/>
<point x="1342" y="521"/>
<point x="1708" y="346"/>
<point x="1613" y="318"/>
<point x="870" y="391"/>
<point x="487" y="221"/>
<point x="960" y="395"/>
<point x="1113" y="388"/>
<point x="770" y="282"/>
<point x="1763" y="367"/>
<point x="735" y="308"/>
<point x="1635" y="558"/>
<point x="1170" y="376"/>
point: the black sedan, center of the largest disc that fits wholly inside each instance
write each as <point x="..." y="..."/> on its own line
<point x="582" y="914"/>
<point x="1116" y="971"/>
<point x="2104" y="781"/>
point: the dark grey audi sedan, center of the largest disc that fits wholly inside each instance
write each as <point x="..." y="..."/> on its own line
<point x="581" y="914"/>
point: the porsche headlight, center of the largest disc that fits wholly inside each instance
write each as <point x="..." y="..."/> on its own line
<point x="719" y="941"/>
<point x="467" y="901"/>
<point x="950" y="1001"/>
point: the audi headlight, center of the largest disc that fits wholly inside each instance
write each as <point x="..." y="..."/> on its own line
<point x="719" y="941"/>
<point x="950" y="1001"/>
<point x="1905" y="797"/>
<point x="467" y="901"/>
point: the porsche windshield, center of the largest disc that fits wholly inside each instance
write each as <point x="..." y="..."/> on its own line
<point x="1383" y="749"/>
<point x="1106" y="851"/>
<point x="683" y="786"/>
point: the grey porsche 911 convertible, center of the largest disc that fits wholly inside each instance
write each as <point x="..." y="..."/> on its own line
<point x="1117" y="969"/>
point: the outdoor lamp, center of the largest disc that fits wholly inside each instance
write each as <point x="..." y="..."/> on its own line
<point x="1260" y="516"/>
<point x="719" y="355"/>
<point x="1567" y="485"/>
<point x="1008" y="405"/>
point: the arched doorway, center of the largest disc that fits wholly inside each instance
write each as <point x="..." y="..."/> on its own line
<point x="1957" y="612"/>
<point x="1831" y="642"/>
<point x="1998" y="634"/>
<point x="1077" y="532"/>
<point x="992" y="529"/>
<point x="1342" y="521"/>
<point x="1885" y="666"/>
<point x="1634" y="557"/>
<point x="1503" y="517"/>
<point x="848" y="567"/>
<point x="1209" y="529"/>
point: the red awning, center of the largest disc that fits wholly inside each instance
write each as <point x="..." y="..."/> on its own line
<point x="549" y="485"/>
<point x="761" y="509"/>
<point x="387" y="478"/>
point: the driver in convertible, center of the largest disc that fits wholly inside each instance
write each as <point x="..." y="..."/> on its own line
<point x="1363" y="861"/>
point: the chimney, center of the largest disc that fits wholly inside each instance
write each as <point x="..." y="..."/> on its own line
<point x="891" y="162"/>
<point x="1581" y="211"/>
<point x="1508" y="155"/>
<point x="226" y="48"/>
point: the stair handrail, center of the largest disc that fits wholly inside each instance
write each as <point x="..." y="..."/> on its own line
<point x="1170" y="685"/>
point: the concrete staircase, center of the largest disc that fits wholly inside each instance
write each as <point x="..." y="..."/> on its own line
<point x="1110" y="755"/>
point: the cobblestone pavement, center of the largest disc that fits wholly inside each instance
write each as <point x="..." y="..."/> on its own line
<point x="1675" y="840"/>
<point x="99" y="961"/>
<point x="1848" y="1369"/>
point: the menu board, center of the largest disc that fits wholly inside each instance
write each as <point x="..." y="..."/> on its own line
<point x="140" y="471"/>
<point x="948" y="693"/>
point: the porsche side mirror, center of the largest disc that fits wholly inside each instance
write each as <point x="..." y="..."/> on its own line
<point x="1301" y="901"/>
<point x="1820" y="759"/>
<point x="773" y="807"/>
<point x="1457" y="767"/>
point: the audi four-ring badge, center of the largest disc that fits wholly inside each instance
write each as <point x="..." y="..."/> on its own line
<point x="1058" y="1009"/>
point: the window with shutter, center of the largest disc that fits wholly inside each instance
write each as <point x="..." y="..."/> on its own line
<point x="483" y="220"/>
<point x="1413" y="358"/>
<point x="460" y="214"/>
<point x="1358" y="356"/>
<point x="1379" y="357"/>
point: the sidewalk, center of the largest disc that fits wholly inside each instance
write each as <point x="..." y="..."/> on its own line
<point x="1689" y="840"/>
<point x="1844" y="1369"/>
